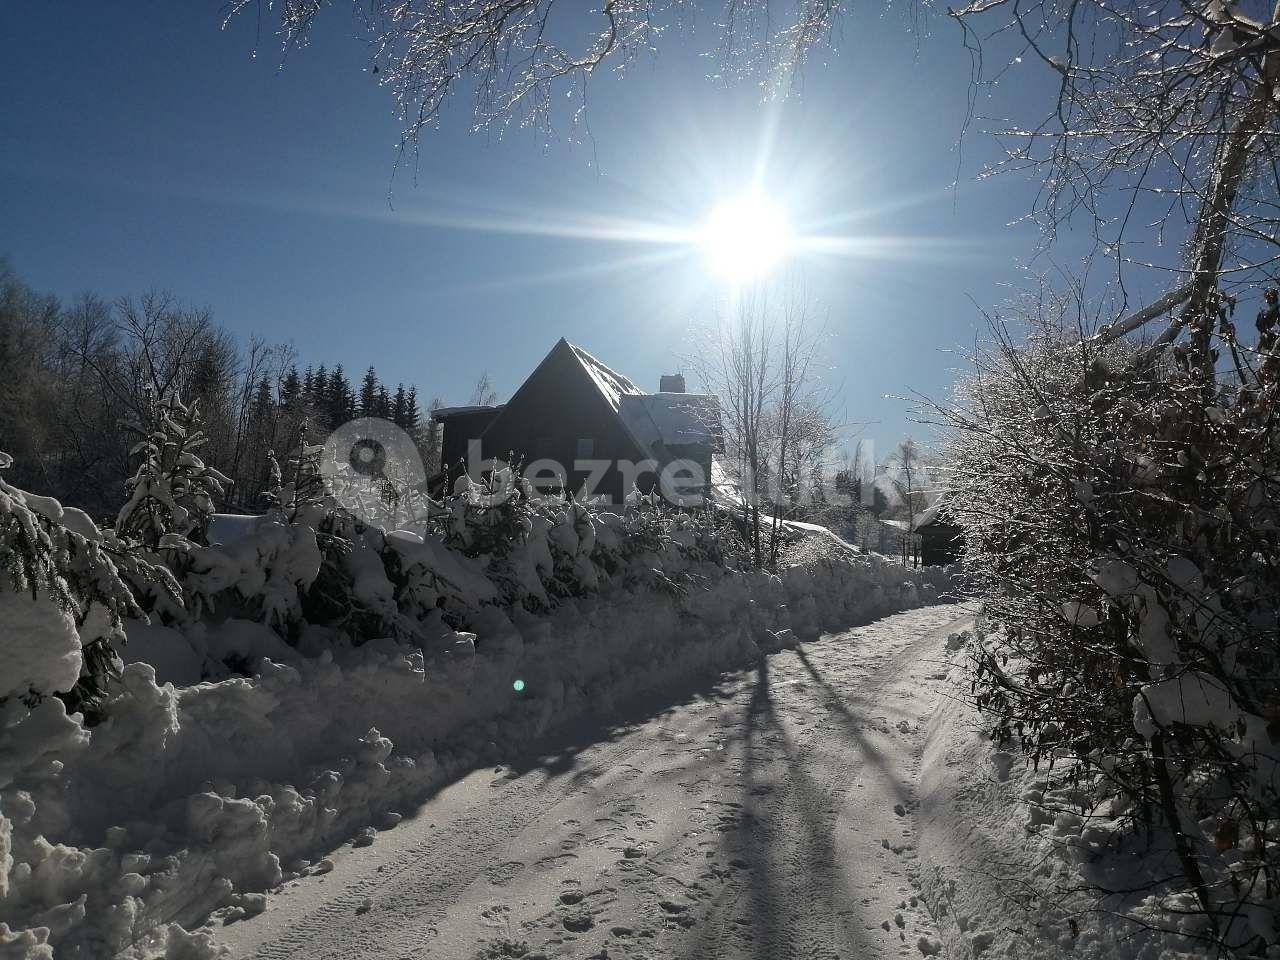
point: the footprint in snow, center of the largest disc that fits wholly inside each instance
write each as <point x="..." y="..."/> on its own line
<point x="501" y="874"/>
<point x="579" y="922"/>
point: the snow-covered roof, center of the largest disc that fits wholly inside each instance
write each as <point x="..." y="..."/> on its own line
<point x="442" y="412"/>
<point x="931" y="512"/>
<point x="613" y="385"/>
<point x="653" y="420"/>
<point x="670" y="419"/>
<point x="922" y="519"/>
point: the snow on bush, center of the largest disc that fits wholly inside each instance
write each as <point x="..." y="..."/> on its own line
<point x="1124" y="536"/>
<point x="172" y="490"/>
<point x="311" y="675"/>
<point x="1043" y="861"/>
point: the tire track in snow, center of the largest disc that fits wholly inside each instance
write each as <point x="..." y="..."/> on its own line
<point x="748" y="824"/>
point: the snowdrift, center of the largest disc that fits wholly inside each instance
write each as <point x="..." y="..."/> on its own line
<point x="227" y="760"/>
<point x="1039" y="863"/>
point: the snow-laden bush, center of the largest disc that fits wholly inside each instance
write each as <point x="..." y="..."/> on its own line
<point x="323" y="567"/>
<point x="64" y="600"/>
<point x="65" y="595"/>
<point x="1122" y="521"/>
<point x="348" y="670"/>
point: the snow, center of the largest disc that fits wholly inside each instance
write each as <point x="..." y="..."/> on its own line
<point x="439" y="413"/>
<point x="263" y="562"/>
<point x="199" y="789"/>
<point x="922" y="519"/>
<point x="41" y="651"/>
<point x="740" y="817"/>
<point x="930" y="513"/>
<point x="228" y="528"/>
<point x="1015" y="860"/>
<point x="173" y="657"/>
<point x="613" y="386"/>
<point x="223" y="759"/>
<point x="77" y="521"/>
<point x="670" y="419"/>
<point x="1193" y="698"/>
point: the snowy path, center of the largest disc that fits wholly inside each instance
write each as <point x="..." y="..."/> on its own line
<point x="769" y="818"/>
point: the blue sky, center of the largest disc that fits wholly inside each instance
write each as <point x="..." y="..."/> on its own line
<point x="143" y="147"/>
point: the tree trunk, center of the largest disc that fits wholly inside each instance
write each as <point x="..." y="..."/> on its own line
<point x="1214" y="222"/>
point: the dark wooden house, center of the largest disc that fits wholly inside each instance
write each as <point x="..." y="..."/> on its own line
<point x="941" y="539"/>
<point x="575" y="418"/>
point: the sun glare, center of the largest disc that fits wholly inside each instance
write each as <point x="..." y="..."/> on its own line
<point x="746" y="237"/>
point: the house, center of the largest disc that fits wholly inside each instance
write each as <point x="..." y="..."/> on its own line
<point x="576" y="421"/>
<point x="937" y="540"/>
<point x="941" y="539"/>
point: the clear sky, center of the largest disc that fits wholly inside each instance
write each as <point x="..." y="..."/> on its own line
<point x="143" y="147"/>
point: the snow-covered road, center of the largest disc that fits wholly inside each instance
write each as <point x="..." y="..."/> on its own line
<point x="768" y="818"/>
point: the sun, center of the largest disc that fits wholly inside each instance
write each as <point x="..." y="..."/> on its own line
<point x="746" y="237"/>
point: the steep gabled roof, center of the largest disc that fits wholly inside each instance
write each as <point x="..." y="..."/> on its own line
<point x="609" y="384"/>
<point x="612" y="385"/>
<point x="936" y="512"/>
<point x="653" y="421"/>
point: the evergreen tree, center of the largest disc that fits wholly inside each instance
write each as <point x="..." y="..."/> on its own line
<point x="369" y="394"/>
<point x="261" y="401"/>
<point x="879" y="502"/>
<point x="291" y="389"/>
<point x="59" y="561"/>
<point x="411" y="415"/>
<point x="384" y="403"/>
<point x="309" y="388"/>
<point x="399" y="406"/>
<point x="341" y="402"/>
<point x="172" y="491"/>
<point x="319" y="401"/>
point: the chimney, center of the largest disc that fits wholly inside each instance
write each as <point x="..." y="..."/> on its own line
<point x="671" y="383"/>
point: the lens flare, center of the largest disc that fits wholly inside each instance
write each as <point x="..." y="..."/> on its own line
<point x="746" y="237"/>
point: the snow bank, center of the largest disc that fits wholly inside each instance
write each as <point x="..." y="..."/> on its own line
<point x="42" y="652"/>
<point x="194" y="794"/>
<point x="1017" y="862"/>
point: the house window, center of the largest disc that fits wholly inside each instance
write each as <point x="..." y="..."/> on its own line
<point x="586" y="448"/>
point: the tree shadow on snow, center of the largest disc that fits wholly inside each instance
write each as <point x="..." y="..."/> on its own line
<point x="786" y="844"/>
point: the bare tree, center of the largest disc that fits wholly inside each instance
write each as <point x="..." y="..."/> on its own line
<point x="1165" y="114"/>
<point x="907" y="459"/>
<point x="763" y="362"/>
<point x="483" y="394"/>
<point x="516" y="55"/>
<point x="1121" y="534"/>
<point x="803" y="428"/>
<point x="735" y="362"/>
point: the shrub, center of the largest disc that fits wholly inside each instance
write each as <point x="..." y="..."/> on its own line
<point x="1121" y="522"/>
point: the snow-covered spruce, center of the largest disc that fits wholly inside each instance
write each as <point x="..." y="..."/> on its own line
<point x="173" y="490"/>
<point x="319" y="675"/>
